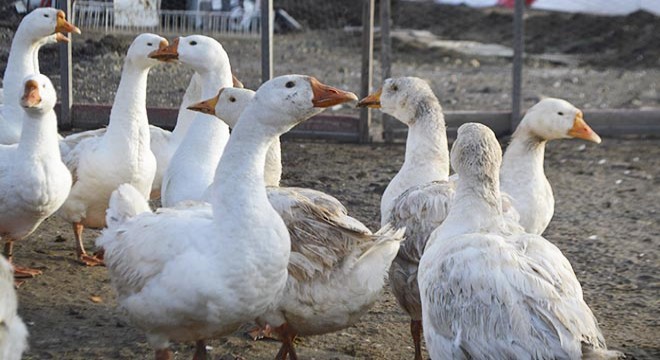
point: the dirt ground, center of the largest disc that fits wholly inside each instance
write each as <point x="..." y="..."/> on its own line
<point x="608" y="195"/>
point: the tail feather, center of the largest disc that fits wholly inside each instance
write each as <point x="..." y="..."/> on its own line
<point x="591" y="353"/>
<point x="372" y="266"/>
<point x="125" y="203"/>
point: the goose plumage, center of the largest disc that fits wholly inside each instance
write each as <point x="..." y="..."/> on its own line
<point x="192" y="166"/>
<point x="337" y="266"/>
<point x="13" y="333"/>
<point x="522" y="175"/>
<point x="122" y="154"/>
<point x="490" y="290"/>
<point x="210" y="272"/>
<point x="424" y="206"/>
<point x="35" y="30"/>
<point x="35" y="181"/>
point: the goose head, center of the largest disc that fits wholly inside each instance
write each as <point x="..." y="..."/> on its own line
<point x="290" y="99"/>
<point x="200" y="52"/>
<point x="227" y="105"/>
<point x="39" y="95"/>
<point x="476" y="153"/>
<point x="552" y="119"/>
<point x="403" y="97"/>
<point x="43" y="22"/>
<point x="142" y="46"/>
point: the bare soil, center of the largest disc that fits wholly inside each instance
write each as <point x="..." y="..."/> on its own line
<point x="608" y="195"/>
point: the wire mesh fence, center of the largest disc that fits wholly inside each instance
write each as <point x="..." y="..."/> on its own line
<point x="136" y="17"/>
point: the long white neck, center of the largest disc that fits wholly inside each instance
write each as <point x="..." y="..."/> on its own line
<point x="129" y="126"/>
<point x="207" y="136"/>
<point x="39" y="135"/>
<point x="476" y="207"/>
<point x="273" y="169"/>
<point x="185" y="117"/>
<point x="426" y="159"/>
<point x="19" y="65"/>
<point x="239" y="177"/>
<point x="523" y="178"/>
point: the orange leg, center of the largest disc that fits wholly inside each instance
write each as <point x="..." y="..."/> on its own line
<point x="416" y="332"/>
<point x="164" y="354"/>
<point x="20" y="272"/>
<point x="200" y="351"/>
<point x="287" y="336"/>
<point x="80" y="248"/>
<point x="258" y="333"/>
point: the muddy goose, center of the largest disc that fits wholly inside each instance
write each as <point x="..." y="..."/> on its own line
<point x="492" y="291"/>
<point x="122" y="154"/>
<point x="190" y="274"/>
<point x="34" y="180"/>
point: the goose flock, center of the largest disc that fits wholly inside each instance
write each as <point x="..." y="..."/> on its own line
<point x="230" y="246"/>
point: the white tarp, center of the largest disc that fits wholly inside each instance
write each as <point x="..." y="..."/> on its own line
<point x="604" y="7"/>
<point x="136" y="13"/>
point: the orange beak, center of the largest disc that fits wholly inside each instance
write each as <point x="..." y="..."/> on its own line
<point x="166" y="52"/>
<point x="371" y="101"/>
<point x="326" y="96"/>
<point x="237" y="83"/>
<point x="206" y="106"/>
<point x="63" y="25"/>
<point x="31" y="97"/>
<point x="581" y="130"/>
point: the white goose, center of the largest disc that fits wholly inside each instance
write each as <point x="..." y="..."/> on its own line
<point x="35" y="181"/>
<point x="192" y="167"/>
<point x="522" y="176"/>
<point x="490" y="291"/>
<point x="13" y="333"/>
<point x="34" y="31"/>
<point x="337" y="267"/>
<point x="188" y="275"/>
<point x="120" y="155"/>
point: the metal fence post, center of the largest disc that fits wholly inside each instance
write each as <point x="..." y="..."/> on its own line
<point x="386" y="59"/>
<point x="518" y="51"/>
<point x="65" y="120"/>
<point x="367" y="65"/>
<point x="266" y="40"/>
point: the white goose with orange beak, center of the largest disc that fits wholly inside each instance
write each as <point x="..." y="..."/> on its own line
<point x="337" y="267"/>
<point x="522" y="176"/>
<point x="34" y="31"/>
<point x="122" y="153"/>
<point x="35" y="181"/>
<point x="192" y="274"/>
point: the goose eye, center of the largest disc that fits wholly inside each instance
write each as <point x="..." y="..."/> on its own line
<point x="394" y="88"/>
<point x="43" y="86"/>
<point x="290" y="84"/>
<point x="232" y="99"/>
<point x="150" y="44"/>
<point x="193" y="43"/>
<point x="560" y="113"/>
<point x="46" y="15"/>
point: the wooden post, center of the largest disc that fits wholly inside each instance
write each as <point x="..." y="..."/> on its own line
<point x="266" y="40"/>
<point x="386" y="59"/>
<point x="518" y="51"/>
<point x="65" y="119"/>
<point x="367" y="65"/>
